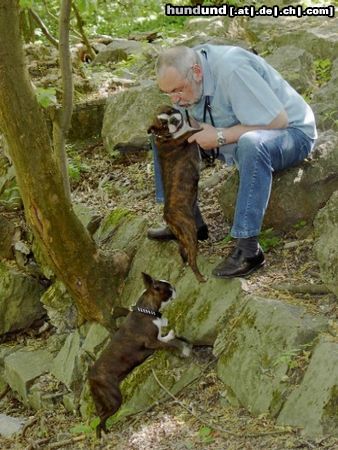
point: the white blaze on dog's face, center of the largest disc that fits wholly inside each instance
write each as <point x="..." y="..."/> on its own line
<point x="174" y="121"/>
<point x="176" y="125"/>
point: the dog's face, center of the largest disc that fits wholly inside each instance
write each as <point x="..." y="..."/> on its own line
<point x="159" y="291"/>
<point x="170" y="124"/>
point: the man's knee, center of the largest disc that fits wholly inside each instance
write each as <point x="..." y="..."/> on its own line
<point x="248" y="145"/>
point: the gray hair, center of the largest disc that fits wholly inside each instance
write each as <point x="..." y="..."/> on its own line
<point x="181" y="58"/>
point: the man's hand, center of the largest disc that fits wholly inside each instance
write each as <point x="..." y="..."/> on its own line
<point x="207" y="138"/>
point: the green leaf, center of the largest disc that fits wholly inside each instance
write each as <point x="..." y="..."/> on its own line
<point x="81" y="428"/>
<point x="26" y="3"/>
<point x="46" y="96"/>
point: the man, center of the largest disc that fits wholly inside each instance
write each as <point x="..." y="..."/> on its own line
<point x="254" y="116"/>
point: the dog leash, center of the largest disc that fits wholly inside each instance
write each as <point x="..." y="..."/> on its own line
<point x="209" y="155"/>
<point x="148" y="312"/>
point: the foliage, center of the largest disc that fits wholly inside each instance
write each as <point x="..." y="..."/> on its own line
<point x="117" y="19"/>
<point x="323" y="69"/>
<point x="268" y="239"/>
<point x="85" y="429"/>
<point x="46" y="96"/>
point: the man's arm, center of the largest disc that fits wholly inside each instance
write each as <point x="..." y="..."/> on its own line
<point x="207" y="138"/>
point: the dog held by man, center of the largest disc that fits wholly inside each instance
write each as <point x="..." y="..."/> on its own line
<point x="255" y="118"/>
<point x="180" y="169"/>
<point x="138" y="337"/>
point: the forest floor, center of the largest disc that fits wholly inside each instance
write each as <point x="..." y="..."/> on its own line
<point x="200" y="417"/>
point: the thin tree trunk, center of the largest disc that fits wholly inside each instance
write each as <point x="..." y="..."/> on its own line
<point x="91" y="277"/>
<point x="61" y="123"/>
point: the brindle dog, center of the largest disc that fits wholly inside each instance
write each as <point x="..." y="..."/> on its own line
<point x="180" y="167"/>
<point x="138" y="337"/>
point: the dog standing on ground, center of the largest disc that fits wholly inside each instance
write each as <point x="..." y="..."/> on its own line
<point x="180" y="167"/>
<point x="138" y="337"/>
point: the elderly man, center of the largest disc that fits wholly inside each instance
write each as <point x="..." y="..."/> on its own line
<point x="254" y="117"/>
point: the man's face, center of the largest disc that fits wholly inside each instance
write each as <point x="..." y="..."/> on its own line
<point x="183" y="90"/>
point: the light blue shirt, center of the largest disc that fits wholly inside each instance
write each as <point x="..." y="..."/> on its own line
<point x="245" y="89"/>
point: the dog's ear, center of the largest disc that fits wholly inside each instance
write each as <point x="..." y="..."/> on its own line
<point x="147" y="280"/>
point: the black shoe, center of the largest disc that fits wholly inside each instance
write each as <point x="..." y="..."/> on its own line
<point x="165" y="234"/>
<point x="237" y="265"/>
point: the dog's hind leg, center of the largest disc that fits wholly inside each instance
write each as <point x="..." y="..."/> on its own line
<point x="107" y="398"/>
<point x="185" y="231"/>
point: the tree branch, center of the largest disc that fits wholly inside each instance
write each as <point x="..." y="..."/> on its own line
<point x="43" y="28"/>
<point x="79" y="21"/>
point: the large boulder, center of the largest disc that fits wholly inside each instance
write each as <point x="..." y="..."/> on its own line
<point x="295" y="65"/>
<point x="312" y="406"/>
<point x="256" y="350"/>
<point x="128" y="115"/>
<point x="23" y="367"/>
<point x="326" y="250"/>
<point x="297" y="193"/>
<point x="317" y="35"/>
<point x="325" y="100"/>
<point x="119" y="50"/>
<point x="20" y="296"/>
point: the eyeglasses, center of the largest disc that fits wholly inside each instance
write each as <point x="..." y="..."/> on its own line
<point x="178" y="92"/>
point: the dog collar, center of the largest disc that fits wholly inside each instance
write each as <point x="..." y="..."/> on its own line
<point x="147" y="311"/>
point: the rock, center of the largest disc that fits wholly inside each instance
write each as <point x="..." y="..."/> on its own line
<point x="140" y="389"/>
<point x="128" y="115"/>
<point x="256" y="349"/>
<point x="7" y="231"/>
<point x="293" y="197"/>
<point x="121" y="229"/>
<point x="160" y="260"/>
<point x="95" y="338"/>
<point x="312" y="406"/>
<point x="324" y="102"/>
<point x="20" y="302"/>
<point x="67" y="367"/>
<point x="23" y="367"/>
<point x="317" y="35"/>
<point x="60" y="307"/>
<point x="89" y="218"/>
<point x="87" y="119"/>
<point x="295" y="65"/>
<point x="326" y="251"/>
<point x="118" y="50"/>
<point x="11" y="425"/>
<point x="79" y="350"/>
<point x="213" y="26"/>
<point x="200" y="310"/>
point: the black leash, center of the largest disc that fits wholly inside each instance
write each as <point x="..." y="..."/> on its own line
<point x="210" y="155"/>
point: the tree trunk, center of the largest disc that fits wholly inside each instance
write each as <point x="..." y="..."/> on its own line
<point x="91" y="277"/>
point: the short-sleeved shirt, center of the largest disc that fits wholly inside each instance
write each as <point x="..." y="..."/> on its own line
<point x="245" y="89"/>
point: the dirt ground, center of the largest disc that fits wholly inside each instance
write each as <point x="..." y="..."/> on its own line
<point x="200" y="417"/>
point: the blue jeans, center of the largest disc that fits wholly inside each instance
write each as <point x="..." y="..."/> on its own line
<point x="257" y="154"/>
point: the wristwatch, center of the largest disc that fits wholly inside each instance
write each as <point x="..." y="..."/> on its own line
<point x="220" y="137"/>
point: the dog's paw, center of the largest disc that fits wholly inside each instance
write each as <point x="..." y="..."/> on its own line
<point x="169" y="337"/>
<point x="186" y="351"/>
